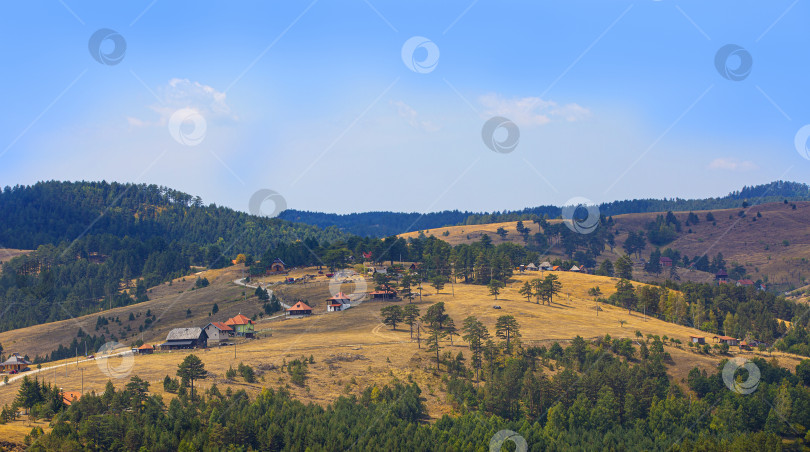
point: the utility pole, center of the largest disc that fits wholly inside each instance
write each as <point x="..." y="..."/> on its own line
<point x="82" y="381"/>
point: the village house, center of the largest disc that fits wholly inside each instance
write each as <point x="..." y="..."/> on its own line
<point x="218" y="332"/>
<point x="185" y="338"/>
<point x="697" y="339"/>
<point x="721" y="276"/>
<point x="385" y="293"/>
<point x="338" y="302"/>
<point x="144" y="349"/>
<point x="665" y="261"/>
<point x="15" y="362"/>
<point x="545" y="266"/>
<point x="531" y="267"/>
<point x="299" y="309"/>
<point x="728" y="340"/>
<point x="745" y="283"/>
<point x="241" y="325"/>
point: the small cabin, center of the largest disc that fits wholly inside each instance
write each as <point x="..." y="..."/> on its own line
<point x="745" y="283"/>
<point x="545" y="266"/>
<point x="697" y="339"/>
<point x="665" y="261"/>
<point x="728" y="340"/>
<point x="145" y="349"/>
<point x="721" y="276"/>
<point x="531" y="267"/>
<point x="300" y="309"/>
<point x="385" y="293"/>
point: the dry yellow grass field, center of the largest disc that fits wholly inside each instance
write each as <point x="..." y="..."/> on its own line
<point x="364" y="352"/>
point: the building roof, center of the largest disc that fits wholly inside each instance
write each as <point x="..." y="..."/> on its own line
<point x="698" y="337"/>
<point x="175" y="342"/>
<point x="15" y="358"/>
<point x="574" y="268"/>
<point x="238" y="320"/>
<point x="531" y="265"/>
<point x="336" y="305"/>
<point x="179" y="334"/>
<point x="339" y="296"/>
<point x="146" y="347"/>
<point x="721" y="272"/>
<point x="556" y="267"/>
<point x="664" y="259"/>
<point x="726" y="338"/>
<point x="745" y="282"/>
<point x="300" y="306"/>
<point x="220" y="326"/>
<point x="278" y="261"/>
<point x="71" y="396"/>
<point x="546" y="264"/>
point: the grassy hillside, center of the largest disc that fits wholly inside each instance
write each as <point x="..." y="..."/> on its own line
<point x="775" y="244"/>
<point x="352" y="349"/>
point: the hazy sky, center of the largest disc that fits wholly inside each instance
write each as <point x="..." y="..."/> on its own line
<point x="333" y="105"/>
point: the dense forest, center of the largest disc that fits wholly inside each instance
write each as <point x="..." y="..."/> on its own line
<point x="100" y="245"/>
<point x="382" y="224"/>
<point x="54" y="212"/>
<point x="600" y="395"/>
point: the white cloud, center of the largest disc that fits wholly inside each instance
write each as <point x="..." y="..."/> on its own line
<point x="732" y="164"/>
<point x="412" y="117"/>
<point x="183" y="93"/>
<point x="531" y="111"/>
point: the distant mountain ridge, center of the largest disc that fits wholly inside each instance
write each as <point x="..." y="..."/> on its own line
<point x="384" y="224"/>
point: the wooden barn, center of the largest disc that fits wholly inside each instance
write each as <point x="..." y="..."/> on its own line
<point x="185" y="338"/>
<point x="697" y="339"/>
<point x="277" y="266"/>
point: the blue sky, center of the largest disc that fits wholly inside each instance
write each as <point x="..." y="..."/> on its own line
<point x="612" y="99"/>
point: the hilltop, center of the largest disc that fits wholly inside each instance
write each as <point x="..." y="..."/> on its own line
<point x="384" y="224"/>
<point x="771" y="241"/>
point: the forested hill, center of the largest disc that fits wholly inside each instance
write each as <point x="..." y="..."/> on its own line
<point x="54" y="212"/>
<point x="103" y="244"/>
<point x="384" y="224"/>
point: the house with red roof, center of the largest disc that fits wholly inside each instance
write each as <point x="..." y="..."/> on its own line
<point x="71" y="396"/>
<point x="241" y="325"/>
<point x="665" y="261"/>
<point x="745" y="282"/>
<point x="299" y="309"/>
<point x="338" y="302"/>
<point x="218" y="332"/>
